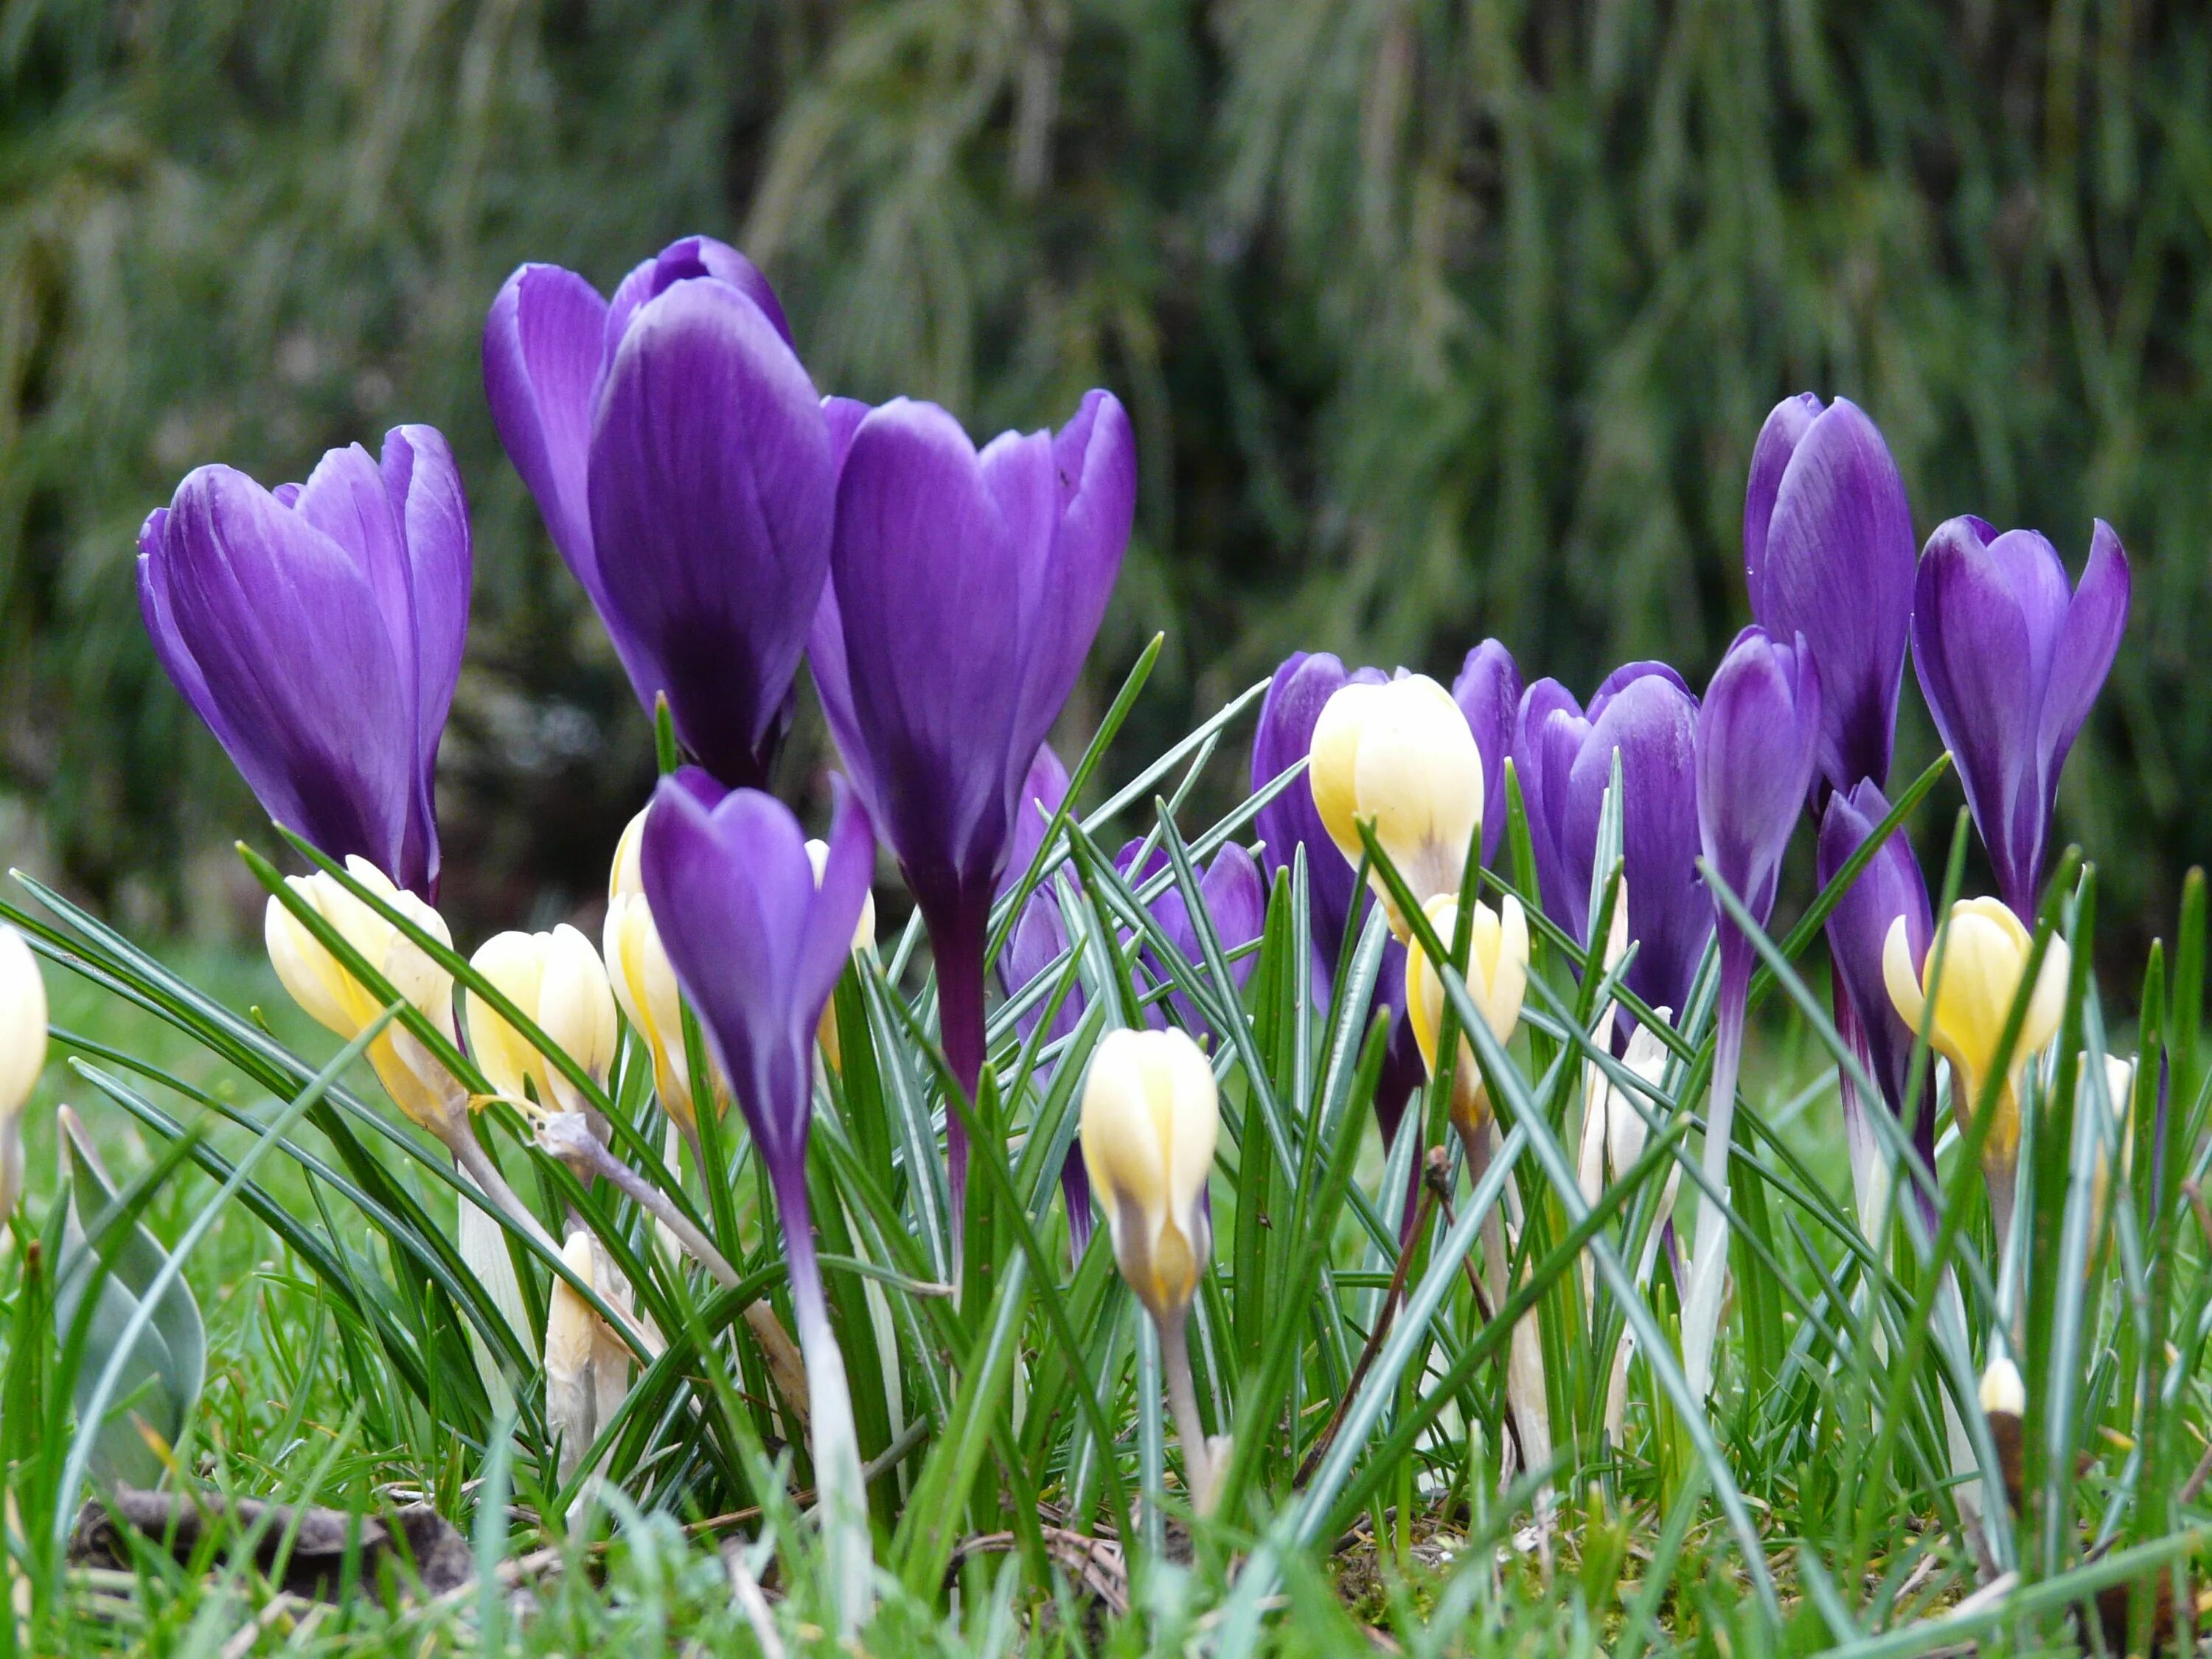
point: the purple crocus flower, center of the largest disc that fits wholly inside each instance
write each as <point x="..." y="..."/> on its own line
<point x="1563" y="756"/>
<point x="317" y="629"/>
<point x="1759" y="737"/>
<point x="2010" y="663"/>
<point x="680" y="458"/>
<point x="758" y="949"/>
<point x="1488" y="692"/>
<point x="1828" y="554"/>
<point x="965" y="589"/>
<point x="1302" y="686"/>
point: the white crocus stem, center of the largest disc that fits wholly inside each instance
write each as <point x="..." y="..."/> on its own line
<point x="1199" y="1473"/>
<point x="1524" y="1361"/>
<point x="839" y="1481"/>
<point x="1701" y="1309"/>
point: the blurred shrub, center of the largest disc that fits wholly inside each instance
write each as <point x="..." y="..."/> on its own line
<point x="1437" y="319"/>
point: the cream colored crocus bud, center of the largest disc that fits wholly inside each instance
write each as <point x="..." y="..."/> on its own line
<point x="22" y="1054"/>
<point x="864" y="940"/>
<point x="558" y="982"/>
<point x="1149" y="1115"/>
<point x="418" y="1085"/>
<point x="1497" y="979"/>
<point x="644" y="982"/>
<point x="1401" y="758"/>
<point x="1984" y="953"/>
<point x="2120" y="1093"/>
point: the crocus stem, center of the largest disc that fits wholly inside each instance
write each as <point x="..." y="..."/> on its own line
<point x="462" y="1142"/>
<point x="839" y="1481"/>
<point x="785" y="1362"/>
<point x="1524" y="1361"/>
<point x="1701" y="1310"/>
<point x="1182" y="1401"/>
<point x="957" y="942"/>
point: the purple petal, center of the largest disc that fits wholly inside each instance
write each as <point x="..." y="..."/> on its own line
<point x="690" y="259"/>
<point x="1758" y="735"/>
<point x="2088" y="642"/>
<point x="926" y="571"/>
<point x="1778" y="439"/>
<point x="1549" y="734"/>
<point x="731" y="890"/>
<point x="1043" y="789"/>
<point x="284" y="633"/>
<point x="1858" y="927"/>
<point x="1977" y="664"/>
<point x="1836" y="567"/>
<point x="1653" y="722"/>
<point x="711" y="493"/>
<point x="541" y="365"/>
<point x="834" y="911"/>
<point x="1488" y="692"/>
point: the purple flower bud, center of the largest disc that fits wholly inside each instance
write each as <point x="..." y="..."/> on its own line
<point x="758" y="949"/>
<point x="1488" y="692"/>
<point x="1564" y="758"/>
<point x="1827" y="552"/>
<point x="1890" y="886"/>
<point x="681" y="460"/>
<point x="966" y="587"/>
<point x="1295" y="696"/>
<point x="317" y="631"/>
<point x="2010" y="663"/>
<point x="1236" y="898"/>
<point x="1758" y="735"/>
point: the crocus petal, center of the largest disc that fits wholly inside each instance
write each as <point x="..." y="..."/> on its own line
<point x="1758" y="732"/>
<point x="1488" y="692"/>
<point x="284" y="629"/>
<point x="833" y="911"/>
<point x="1043" y="788"/>
<point x="1836" y="565"/>
<point x="2087" y="646"/>
<point x="1890" y="888"/>
<point x="711" y="477"/>
<point x="1785" y="427"/>
<point x="541" y="363"/>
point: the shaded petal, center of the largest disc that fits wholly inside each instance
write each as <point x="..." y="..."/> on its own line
<point x="1758" y="733"/>
<point x="688" y="259"/>
<point x="833" y="912"/>
<point x="2087" y="643"/>
<point x="1654" y="724"/>
<point x="925" y="569"/>
<point x="1778" y="438"/>
<point x="1488" y="692"/>
<point x="1093" y="460"/>
<point x="1889" y="888"/>
<point x="282" y="625"/>
<point x="541" y="366"/>
<point x="1838" y="567"/>
<point x="1043" y="788"/>
<point x="1972" y="651"/>
<point x="711" y="493"/>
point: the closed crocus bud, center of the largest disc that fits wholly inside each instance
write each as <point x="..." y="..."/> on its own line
<point x="1150" y="1116"/>
<point x="644" y="982"/>
<point x="864" y="940"/>
<point x="571" y="1346"/>
<point x="2003" y="1394"/>
<point x="679" y="455"/>
<point x="1985" y="951"/>
<point x="22" y="1054"/>
<point x="1496" y="978"/>
<point x="1828" y="554"/>
<point x="418" y="1085"/>
<point x="2010" y="662"/>
<point x="1401" y="758"/>
<point x="317" y="629"/>
<point x="557" y="980"/>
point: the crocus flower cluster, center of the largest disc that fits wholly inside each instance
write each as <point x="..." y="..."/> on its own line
<point x="727" y="521"/>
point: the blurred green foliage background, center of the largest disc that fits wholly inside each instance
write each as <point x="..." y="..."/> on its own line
<point x="1437" y="318"/>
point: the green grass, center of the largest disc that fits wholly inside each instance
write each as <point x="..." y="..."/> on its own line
<point x="1825" y="1499"/>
